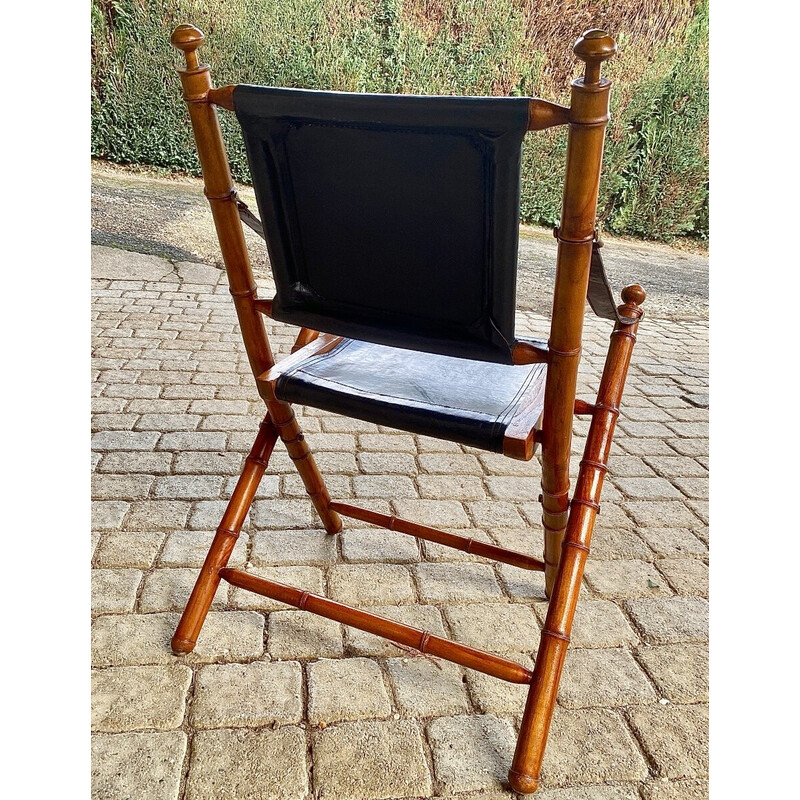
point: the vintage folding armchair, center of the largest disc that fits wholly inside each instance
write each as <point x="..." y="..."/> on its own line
<point x="392" y="228"/>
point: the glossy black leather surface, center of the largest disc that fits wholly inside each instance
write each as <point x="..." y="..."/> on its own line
<point x="470" y="402"/>
<point x="390" y="218"/>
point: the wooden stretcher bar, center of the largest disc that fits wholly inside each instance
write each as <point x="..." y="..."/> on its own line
<point x="424" y="641"/>
<point x="467" y="545"/>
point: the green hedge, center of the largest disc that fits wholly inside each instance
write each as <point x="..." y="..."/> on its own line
<point x="655" y="181"/>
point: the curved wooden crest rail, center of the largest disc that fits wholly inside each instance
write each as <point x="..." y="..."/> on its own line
<point x="568" y="522"/>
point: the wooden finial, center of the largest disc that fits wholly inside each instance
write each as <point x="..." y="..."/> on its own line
<point x="188" y="38"/>
<point x="594" y="47"/>
<point x="633" y="295"/>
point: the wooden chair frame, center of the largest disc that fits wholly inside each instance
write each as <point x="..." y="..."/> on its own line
<point x="567" y="522"/>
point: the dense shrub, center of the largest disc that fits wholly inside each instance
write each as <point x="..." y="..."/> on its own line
<point x="656" y="164"/>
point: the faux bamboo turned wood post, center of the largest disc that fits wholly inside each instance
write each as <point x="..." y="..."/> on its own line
<point x="525" y="769"/>
<point x="196" y="81"/>
<point x="219" y="189"/>
<point x="588" y="117"/>
<point x="205" y="588"/>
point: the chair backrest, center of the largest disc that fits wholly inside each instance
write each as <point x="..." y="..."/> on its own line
<point x="390" y="218"/>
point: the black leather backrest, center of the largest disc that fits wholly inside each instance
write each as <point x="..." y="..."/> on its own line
<point x="390" y="218"/>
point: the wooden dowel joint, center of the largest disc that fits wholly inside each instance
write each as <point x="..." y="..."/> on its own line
<point x="523" y="353"/>
<point x="264" y="306"/>
<point x="222" y="97"/>
<point x="543" y="114"/>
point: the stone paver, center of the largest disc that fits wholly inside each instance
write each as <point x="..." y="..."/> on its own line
<point x="591" y="746"/>
<point x="670" y="619"/>
<point x="134" y="698"/>
<point x="427" y="688"/>
<point x="137" y="765"/>
<point x="144" y="638"/>
<point x="494" y="627"/>
<point x="275" y="702"/>
<point x="604" y="679"/>
<point x="471" y="753"/>
<point x="169" y="590"/>
<point x="440" y="583"/>
<point x="372" y="545"/>
<point x="272" y="548"/>
<point x="248" y="695"/>
<point x="114" y="590"/>
<point x="673" y="542"/>
<point x="597" y="792"/>
<point x="122" y="549"/>
<point x="677" y="790"/>
<point x="370" y="584"/>
<point x="676" y="737"/>
<point x="680" y="671"/>
<point x="625" y="578"/>
<point x="157" y="515"/>
<point x="243" y="764"/>
<point x="346" y="690"/>
<point x="687" y="576"/>
<point x="300" y="634"/>
<point x="370" y="759"/>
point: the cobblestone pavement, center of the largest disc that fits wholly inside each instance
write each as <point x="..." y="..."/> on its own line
<point x="276" y="703"/>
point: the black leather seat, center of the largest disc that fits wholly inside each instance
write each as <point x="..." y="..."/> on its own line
<point x="470" y="402"/>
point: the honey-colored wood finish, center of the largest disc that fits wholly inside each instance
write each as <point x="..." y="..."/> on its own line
<point x="568" y="523"/>
<point x="224" y="541"/>
<point x="588" y="117"/>
<point x="542" y="114"/>
<point x="424" y="641"/>
<point x="219" y="190"/>
<point x="524" y="774"/>
<point x="306" y="336"/>
<point x="463" y="543"/>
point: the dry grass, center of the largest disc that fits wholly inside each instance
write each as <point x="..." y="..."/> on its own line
<point x="652" y="24"/>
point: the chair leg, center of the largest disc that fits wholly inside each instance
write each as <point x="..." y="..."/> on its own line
<point x="535" y="726"/>
<point x="194" y="615"/>
<point x="300" y="453"/>
<point x="555" y="511"/>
